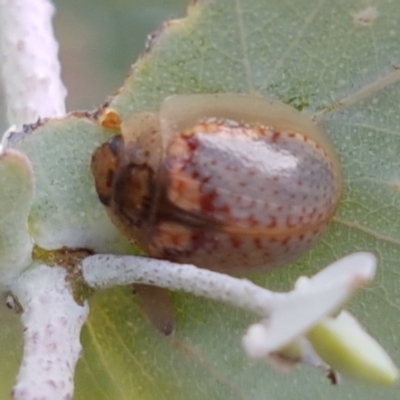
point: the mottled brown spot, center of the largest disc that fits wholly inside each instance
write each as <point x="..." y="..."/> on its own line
<point x="258" y="243"/>
<point x="273" y="222"/>
<point x="193" y="144"/>
<point x="275" y="136"/>
<point x="333" y="377"/>
<point x="109" y="178"/>
<point x="133" y="192"/>
<point x="235" y="241"/>
<point x="207" y="202"/>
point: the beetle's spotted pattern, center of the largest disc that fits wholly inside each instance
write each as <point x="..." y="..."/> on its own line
<point x="254" y="181"/>
<point x="222" y="193"/>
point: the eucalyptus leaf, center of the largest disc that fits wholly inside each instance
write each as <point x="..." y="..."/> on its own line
<point x="318" y="57"/>
<point x="16" y="193"/>
<point x="65" y="210"/>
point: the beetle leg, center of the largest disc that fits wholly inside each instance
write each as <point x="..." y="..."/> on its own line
<point x="157" y="307"/>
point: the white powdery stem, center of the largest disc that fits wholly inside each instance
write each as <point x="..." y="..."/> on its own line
<point x="29" y="61"/>
<point x="102" y="271"/>
<point x="52" y="323"/>
<point x="288" y="315"/>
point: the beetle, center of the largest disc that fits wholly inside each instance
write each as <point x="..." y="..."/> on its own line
<point x="230" y="182"/>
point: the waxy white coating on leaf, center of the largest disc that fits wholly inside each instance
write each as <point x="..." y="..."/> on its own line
<point x="30" y="67"/>
<point x="52" y="323"/>
<point x="358" y="266"/>
<point x="313" y="299"/>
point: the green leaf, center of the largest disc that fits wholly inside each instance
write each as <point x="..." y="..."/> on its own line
<point x="319" y="57"/>
<point x="16" y="192"/>
<point x="314" y="54"/>
<point x="65" y="210"/>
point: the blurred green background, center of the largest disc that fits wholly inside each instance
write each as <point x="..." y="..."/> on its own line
<point x="99" y="40"/>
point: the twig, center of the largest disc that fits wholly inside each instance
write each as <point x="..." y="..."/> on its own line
<point x="101" y="271"/>
<point x="29" y="61"/>
<point x="52" y="323"/>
